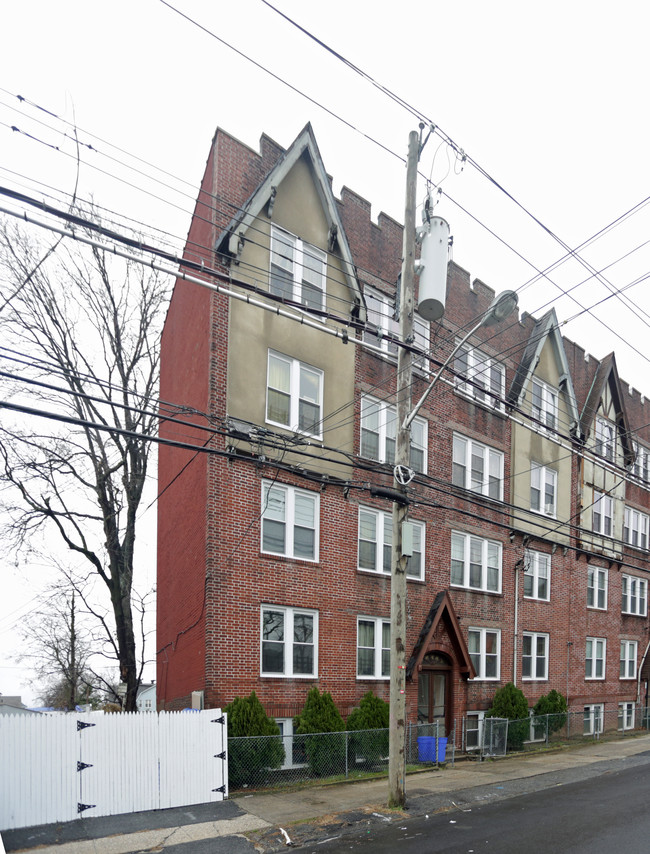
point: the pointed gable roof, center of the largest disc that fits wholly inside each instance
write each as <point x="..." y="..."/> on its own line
<point x="304" y="145"/>
<point x="546" y="328"/>
<point x="607" y="376"/>
<point x="441" y="610"/>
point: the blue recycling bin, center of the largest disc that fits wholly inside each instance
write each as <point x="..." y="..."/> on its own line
<point x="431" y="749"/>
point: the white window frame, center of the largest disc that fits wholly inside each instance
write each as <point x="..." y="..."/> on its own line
<point x="297" y="371"/>
<point x="598" y="654"/>
<point x="593" y="718"/>
<point x="289" y="255"/>
<point x="382" y="522"/>
<point x="597" y="583"/>
<point x="381" y="313"/>
<point x="626" y="715"/>
<point x="641" y="465"/>
<point x="378" y="648"/>
<point x="602" y="514"/>
<point x="478" y="729"/>
<point x="533" y="658"/>
<point x="605" y="439"/>
<point x="634" y="595"/>
<point x="269" y="516"/>
<point x="465" y="452"/>
<point x="286" y="734"/>
<point x="628" y="659"/>
<point x="385" y="430"/>
<point x="480" y="377"/>
<point x="635" y="528"/>
<point x="537" y="571"/>
<point x="288" y="640"/>
<point x="480" y="658"/>
<point x="543" y="481"/>
<point x="544" y="405"/>
<point x="489" y="549"/>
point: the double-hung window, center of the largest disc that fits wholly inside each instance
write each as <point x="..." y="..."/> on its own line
<point x="597" y="588"/>
<point x="480" y="376"/>
<point x="376" y="539"/>
<point x="475" y="563"/>
<point x="294" y="394"/>
<point x="378" y="432"/>
<point x="641" y="467"/>
<point x="634" y="595"/>
<point x="534" y="659"/>
<point x="625" y="716"/>
<point x="477" y="467"/>
<point x="543" y="489"/>
<point x="382" y="323"/>
<point x="484" y="647"/>
<point x="289" y="642"/>
<point x="537" y="575"/>
<point x="602" y="514"/>
<point x="544" y="405"/>
<point x="290" y="519"/>
<point x="635" y="528"/>
<point x="373" y="648"/>
<point x="298" y="270"/>
<point x="594" y="715"/>
<point x="604" y="438"/>
<point x="595" y="658"/>
<point x="628" y="659"/>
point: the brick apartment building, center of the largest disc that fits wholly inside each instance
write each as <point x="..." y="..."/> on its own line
<point x="530" y="506"/>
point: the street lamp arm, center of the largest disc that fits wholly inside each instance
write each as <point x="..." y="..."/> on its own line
<point x="409" y="418"/>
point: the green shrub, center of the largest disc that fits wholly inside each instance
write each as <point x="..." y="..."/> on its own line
<point x="510" y="702"/>
<point x="325" y="754"/>
<point x="373" y="713"/>
<point x="554" y="706"/>
<point x="249" y="758"/>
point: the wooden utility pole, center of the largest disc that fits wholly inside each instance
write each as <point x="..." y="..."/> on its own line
<point x="398" y="627"/>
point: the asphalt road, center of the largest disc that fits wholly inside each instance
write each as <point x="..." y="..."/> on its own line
<point x="604" y="814"/>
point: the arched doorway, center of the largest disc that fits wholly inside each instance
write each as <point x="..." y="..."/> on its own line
<point x="434" y="691"/>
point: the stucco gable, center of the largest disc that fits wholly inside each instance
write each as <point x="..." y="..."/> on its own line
<point x="607" y="377"/>
<point x="545" y="332"/>
<point x="231" y="239"/>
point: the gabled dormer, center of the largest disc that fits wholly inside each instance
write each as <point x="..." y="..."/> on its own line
<point x="285" y="368"/>
<point x="545" y="423"/>
<point x="293" y="214"/>
<point x="542" y="387"/>
<point x="608" y="451"/>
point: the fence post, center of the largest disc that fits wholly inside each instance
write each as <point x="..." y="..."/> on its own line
<point x="346" y="754"/>
<point x="547" y="730"/>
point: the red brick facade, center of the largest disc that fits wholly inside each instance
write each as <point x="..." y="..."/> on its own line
<point x="213" y="577"/>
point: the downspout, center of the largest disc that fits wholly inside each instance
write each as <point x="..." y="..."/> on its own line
<point x="638" y="678"/>
<point x="514" y="645"/>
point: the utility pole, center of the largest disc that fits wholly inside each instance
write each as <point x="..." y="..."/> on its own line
<point x="398" y="627"/>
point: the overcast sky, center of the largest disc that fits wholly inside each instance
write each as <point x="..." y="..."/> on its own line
<point x="549" y="99"/>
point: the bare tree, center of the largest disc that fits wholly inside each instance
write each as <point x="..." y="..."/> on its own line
<point x="59" y="647"/>
<point x="83" y="329"/>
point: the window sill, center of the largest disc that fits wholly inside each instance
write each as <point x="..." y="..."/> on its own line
<point x="486" y="406"/>
<point x="388" y="575"/>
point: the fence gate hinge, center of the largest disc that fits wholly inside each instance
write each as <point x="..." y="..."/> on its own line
<point x="82" y="765"/>
<point x="220" y="720"/>
<point x="82" y="807"/>
<point x="83" y="725"/>
<point x="221" y="789"/>
<point x="221" y="755"/>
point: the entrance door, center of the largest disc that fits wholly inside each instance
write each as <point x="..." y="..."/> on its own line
<point x="433" y="692"/>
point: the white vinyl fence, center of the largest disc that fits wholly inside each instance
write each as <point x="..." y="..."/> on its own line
<point x="59" y="767"/>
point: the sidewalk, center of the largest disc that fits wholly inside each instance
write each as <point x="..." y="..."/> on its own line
<point x="265" y="821"/>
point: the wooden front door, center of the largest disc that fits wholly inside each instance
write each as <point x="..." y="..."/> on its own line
<point x="434" y="699"/>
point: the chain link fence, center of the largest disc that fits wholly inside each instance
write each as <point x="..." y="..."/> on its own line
<point x="285" y="760"/>
<point x="482" y="736"/>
